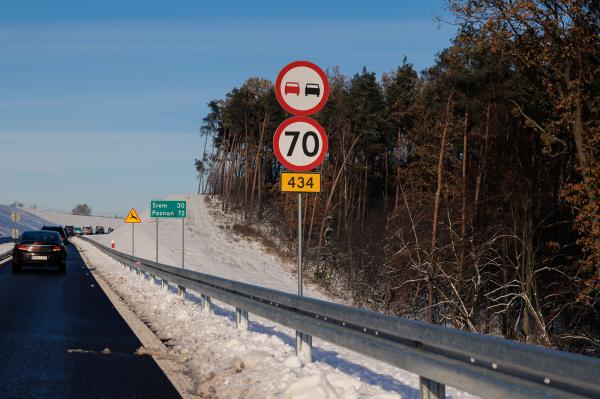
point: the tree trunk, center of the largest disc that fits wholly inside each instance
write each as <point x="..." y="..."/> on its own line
<point x="463" y="211"/>
<point x="247" y="165"/>
<point x="398" y="152"/>
<point x="483" y="164"/>
<point x="208" y="176"/>
<point x="312" y="219"/>
<point x="337" y="177"/>
<point x="436" y="211"/>
<point x="257" y="162"/>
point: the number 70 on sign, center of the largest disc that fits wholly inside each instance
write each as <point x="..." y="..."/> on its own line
<point x="295" y="182"/>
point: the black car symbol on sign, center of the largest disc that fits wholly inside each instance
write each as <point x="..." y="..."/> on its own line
<point x="312" y="88"/>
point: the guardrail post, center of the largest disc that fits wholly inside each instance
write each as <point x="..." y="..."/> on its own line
<point x="304" y="347"/>
<point x="164" y="284"/>
<point x="241" y="319"/>
<point x="181" y="291"/>
<point x="431" y="389"/>
<point x="206" y="305"/>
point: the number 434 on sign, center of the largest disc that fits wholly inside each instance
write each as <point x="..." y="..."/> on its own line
<point x="292" y="182"/>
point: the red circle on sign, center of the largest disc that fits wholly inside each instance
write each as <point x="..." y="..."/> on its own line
<point x="287" y="106"/>
<point x="321" y="156"/>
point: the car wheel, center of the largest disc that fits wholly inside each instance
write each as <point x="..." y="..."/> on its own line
<point x="16" y="268"/>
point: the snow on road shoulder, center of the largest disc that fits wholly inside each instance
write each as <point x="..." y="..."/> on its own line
<point x="223" y="362"/>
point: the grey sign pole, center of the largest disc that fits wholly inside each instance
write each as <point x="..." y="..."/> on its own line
<point x="156" y="240"/>
<point x="132" y="239"/>
<point x="300" y="244"/>
<point x="182" y="242"/>
<point x="303" y="341"/>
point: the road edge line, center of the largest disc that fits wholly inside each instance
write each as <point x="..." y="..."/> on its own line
<point x="146" y="336"/>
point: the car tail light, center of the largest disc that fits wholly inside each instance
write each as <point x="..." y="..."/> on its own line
<point x="21" y="247"/>
<point x="56" y="248"/>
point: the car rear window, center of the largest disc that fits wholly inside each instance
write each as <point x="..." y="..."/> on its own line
<point x="40" y="236"/>
<point x="54" y="228"/>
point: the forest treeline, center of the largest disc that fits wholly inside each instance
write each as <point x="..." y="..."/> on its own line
<point x="467" y="194"/>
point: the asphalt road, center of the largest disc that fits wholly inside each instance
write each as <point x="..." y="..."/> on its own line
<point x="53" y="330"/>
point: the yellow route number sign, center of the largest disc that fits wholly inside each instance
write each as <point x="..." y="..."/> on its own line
<point x="292" y="182"/>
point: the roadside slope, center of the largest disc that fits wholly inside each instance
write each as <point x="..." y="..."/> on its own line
<point x="210" y="247"/>
<point x="65" y="219"/>
<point x="29" y="221"/>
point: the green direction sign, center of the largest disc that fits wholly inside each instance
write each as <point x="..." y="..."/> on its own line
<point x="168" y="209"/>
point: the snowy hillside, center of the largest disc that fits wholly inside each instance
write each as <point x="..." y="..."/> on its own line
<point x="210" y="247"/>
<point x="65" y="219"/>
<point x="28" y="220"/>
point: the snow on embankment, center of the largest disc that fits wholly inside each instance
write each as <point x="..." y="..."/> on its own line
<point x="66" y="219"/>
<point x="210" y="247"/>
<point x="28" y="221"/>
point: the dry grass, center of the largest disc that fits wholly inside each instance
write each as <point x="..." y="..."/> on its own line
<point x="251" y="233"/>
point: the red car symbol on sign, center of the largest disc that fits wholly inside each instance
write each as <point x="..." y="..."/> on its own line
<point x="292" y="88"/>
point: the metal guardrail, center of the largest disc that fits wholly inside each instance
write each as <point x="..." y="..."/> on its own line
<point x="487" y="366"/>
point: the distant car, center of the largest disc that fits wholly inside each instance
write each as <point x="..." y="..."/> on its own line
<point x="70" y="230"/>
<point x="292" y="88"/>
<point x="87" y="230"/>
<point x="312" y="88"/>
<point x="78" y="231"/>
<point x="110" y="230"/>
<point x="99" y="230"/>
<point x="60" y="230"/>
<point x="39" y="248"/>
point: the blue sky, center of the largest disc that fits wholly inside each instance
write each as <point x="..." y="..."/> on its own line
<point x="100" y="102"/>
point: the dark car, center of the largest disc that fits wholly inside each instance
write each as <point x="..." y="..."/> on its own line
<point x="70" y="230"/>
<point x="99" y="230"/>
<point x="39" y="248"/>
<point x="312" y="88"/>
<point x="60" y="230"/>
<point x="87" y="230"/>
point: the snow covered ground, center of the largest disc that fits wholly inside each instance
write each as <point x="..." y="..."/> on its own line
<point x="66" y="219"/>
<point x="220" y="361"/>
<point x="6" y="246"/>
<point x="210" y="247"/>
<point x="29" y="221"/>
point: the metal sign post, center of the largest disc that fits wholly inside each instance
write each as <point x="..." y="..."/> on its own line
<point x="156" y="240"/>
<point x="182" y="243"/>
<point x="133" y="219"/>
<point x="15" y="217"/>
<point x="300" y="244"/>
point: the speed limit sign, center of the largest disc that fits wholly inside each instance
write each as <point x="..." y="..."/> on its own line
<point x="300" y="144"/>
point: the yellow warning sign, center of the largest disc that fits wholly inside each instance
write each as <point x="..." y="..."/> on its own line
<point x="132" y="217"/>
